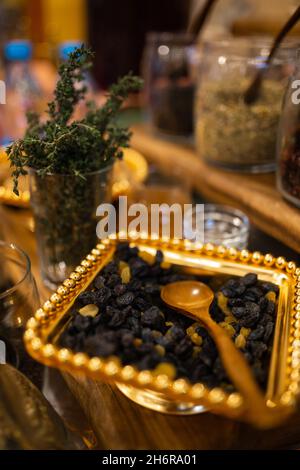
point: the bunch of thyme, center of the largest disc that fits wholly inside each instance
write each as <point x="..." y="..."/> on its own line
<point x="62" y="145"/>
<point x="66" y="156"/>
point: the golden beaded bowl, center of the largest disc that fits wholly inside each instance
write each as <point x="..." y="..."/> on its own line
<point x="160" y="393"/>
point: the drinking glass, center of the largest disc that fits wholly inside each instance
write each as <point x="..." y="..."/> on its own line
<point x="168" y="69"/>
<point x="18" y="301"/>
<point x="64" y="209"/>
<point x="223" y="225"/>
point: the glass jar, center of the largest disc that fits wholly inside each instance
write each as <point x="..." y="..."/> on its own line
<point x="64" y="208"/>
<point x="18" y="301"/>
<point x="229" y="133"/>
<point x="288" y="149"/>
<point x="223" y="225"/>
<point x="168" y="65"/>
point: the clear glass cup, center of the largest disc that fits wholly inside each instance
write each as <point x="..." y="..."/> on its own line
<point x="223" y="225"/>
<point x="18" y="301"/>
<point x="288" y="148"/>
<point x="64" y="208"/>
<point x="229" y="133"/>
<point x="165" y="189"/>
<point x="168" y="69"/>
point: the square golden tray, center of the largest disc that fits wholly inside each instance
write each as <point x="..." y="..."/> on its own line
<point x="159" y="392"/>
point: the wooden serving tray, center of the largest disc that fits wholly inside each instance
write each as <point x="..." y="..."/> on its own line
<point x="119" y="423"/>
<point x="256" y="195"/>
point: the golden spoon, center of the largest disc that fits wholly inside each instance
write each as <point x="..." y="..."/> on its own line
<point x="194" y="298"/>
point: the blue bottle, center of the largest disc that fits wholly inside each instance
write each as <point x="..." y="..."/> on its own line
<point x="22" y="90"/>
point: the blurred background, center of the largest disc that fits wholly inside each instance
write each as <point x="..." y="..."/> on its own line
<point x="150" y="39"/>
<point x="117" y="29"/>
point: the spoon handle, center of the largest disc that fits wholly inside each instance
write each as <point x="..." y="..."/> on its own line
<point x="199" y="18"/>
<point x="240" y="373"/>
<point x="252" y="93"/>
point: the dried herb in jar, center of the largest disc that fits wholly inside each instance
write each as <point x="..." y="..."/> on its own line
<point x="289" y="165"/>
<point x="230" y="133"/>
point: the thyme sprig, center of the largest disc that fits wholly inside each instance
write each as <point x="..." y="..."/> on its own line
<point x="66" y="146"/>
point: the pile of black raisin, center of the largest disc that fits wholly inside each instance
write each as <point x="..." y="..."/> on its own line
<point x="123" y="315"/>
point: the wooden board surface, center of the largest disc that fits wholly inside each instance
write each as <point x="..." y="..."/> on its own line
<point x="256" y="195"/>
<point x="120" y="424"/>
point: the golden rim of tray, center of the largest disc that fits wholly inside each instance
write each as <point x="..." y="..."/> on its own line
<point x="284" y="373"/>
<point x="136" y="165"/>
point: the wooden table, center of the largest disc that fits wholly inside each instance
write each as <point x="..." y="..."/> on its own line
<point x="256" y="195"/>
<point x="120" y="424"/>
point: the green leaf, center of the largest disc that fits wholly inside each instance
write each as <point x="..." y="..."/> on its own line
<point x="64" y="146"/>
